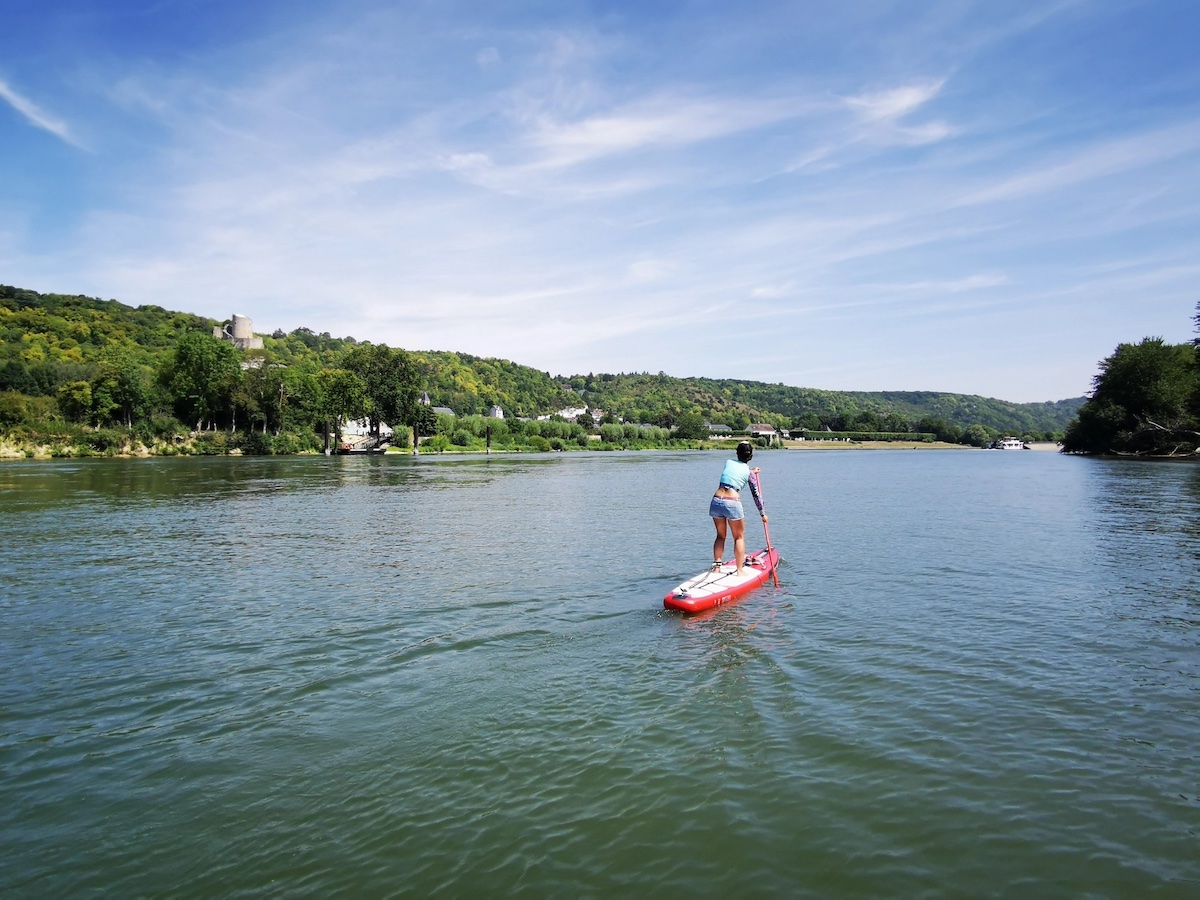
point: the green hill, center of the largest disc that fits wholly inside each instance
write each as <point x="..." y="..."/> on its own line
<point x="52" y="345"/>
<point x="648" y="397"/>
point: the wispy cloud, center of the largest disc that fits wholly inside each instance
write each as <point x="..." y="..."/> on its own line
<point x="882" y="112"/>
<point x="661" y="121"/>
<point x="1093" y="161"/>
<point x="773" y="291"/>
<point x="894" y="103"/>
<point x="36" y="116"/>
<point x="955" y="286"/>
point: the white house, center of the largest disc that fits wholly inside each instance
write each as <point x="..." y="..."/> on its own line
<point x="571" y="413"/>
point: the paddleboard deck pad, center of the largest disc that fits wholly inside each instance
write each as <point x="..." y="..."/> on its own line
<point x="713" y="587"/>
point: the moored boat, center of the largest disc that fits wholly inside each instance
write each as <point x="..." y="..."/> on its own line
<point x="1010" y="443"/>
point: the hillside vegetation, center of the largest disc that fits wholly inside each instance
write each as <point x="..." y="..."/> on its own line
<point x="75" y="362"/>
<point x="737" y="403"/>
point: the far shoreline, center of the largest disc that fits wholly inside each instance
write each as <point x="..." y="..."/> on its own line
<point x="899" y="445"/>
<point x="14" y="452"/>
<point x="874" y="445"/>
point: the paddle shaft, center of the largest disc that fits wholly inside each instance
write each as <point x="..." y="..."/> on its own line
<point x="766" y="531"/>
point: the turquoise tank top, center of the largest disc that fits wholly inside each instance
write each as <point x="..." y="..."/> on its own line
<point x="735" y="474"/>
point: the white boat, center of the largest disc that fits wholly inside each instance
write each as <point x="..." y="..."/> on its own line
<point x="1011" y="443"/>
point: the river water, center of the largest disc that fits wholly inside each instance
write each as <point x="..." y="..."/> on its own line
<point x="979" y="676"/>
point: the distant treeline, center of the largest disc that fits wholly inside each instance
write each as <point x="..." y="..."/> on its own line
<point x="886" y="436"/>
<point x="646" y="397"/>
<point x="74" y="362"/>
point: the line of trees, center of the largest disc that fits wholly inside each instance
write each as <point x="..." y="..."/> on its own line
<point x="206" y="384"/>
<point x="477" y="432"/>
<point x="868" y="422"/>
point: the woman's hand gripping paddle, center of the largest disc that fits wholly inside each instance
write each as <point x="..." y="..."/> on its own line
<point x="757" y="482"/>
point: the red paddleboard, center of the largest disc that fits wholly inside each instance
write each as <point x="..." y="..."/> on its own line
<point x="713" y="587"/>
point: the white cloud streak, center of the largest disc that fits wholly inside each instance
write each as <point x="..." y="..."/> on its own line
<point x="894" y="103"/>
<point x="36" y="116"/>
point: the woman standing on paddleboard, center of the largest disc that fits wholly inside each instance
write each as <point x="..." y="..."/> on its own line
<point x="726" y="506"/>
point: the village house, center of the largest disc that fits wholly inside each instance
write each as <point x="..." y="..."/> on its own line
<point x="440" y="410"/>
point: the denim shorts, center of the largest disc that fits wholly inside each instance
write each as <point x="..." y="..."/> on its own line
<point x="720" y="508"/>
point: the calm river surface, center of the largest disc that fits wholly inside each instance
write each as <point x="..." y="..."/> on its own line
<point x="375" y="676"/>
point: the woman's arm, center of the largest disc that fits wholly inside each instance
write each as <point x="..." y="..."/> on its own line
<point x="754" y="492"/>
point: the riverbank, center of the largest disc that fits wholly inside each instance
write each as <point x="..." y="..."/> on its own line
<point x="15" y="450"/>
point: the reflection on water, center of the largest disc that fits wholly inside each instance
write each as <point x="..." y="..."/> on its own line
<point x="383" y="675"/>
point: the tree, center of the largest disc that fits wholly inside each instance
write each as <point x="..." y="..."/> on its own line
<point x="1141" y="402"/>
<point x="130" y="388"/>
<point x="341" y="395"/>
<point x="75" y="400"/>
<point x="266" y="391"/>
<point x="865" y="420"/>
<point x="979" y="435"/>
<point x="1195" y="404"/>
<point x="390" y="377"/>
<point x="14" y="408"/>
<point x="201" y="377"/>
<point x="950" y="434"/>
<point x="737" y="421"/>
<point x="424" y="422"/>
<point x="691" y="427"/>
<point x="298" y="400"/>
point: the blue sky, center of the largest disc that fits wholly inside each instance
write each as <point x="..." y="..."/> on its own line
<point x="980" y="197"/>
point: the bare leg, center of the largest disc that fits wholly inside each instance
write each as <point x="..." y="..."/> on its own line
<point x="719" y="543"/>
<point x="738" y="527"/>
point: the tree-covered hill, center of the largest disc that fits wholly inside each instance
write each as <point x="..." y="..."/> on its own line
<point x="49" y="339"/>
<point x="648" y="397"/>
<point x="102" y="362"/>
<point x="472" y="385"/>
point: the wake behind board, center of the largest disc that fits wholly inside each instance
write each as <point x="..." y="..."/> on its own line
<point x="712" y="588"/>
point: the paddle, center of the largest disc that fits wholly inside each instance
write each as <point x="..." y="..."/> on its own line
<point x="766" y="531"/>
